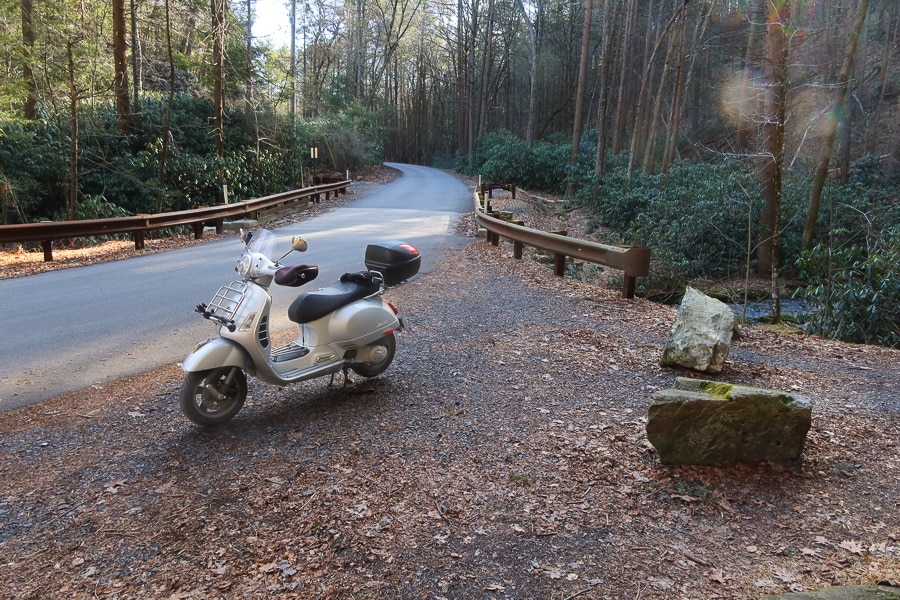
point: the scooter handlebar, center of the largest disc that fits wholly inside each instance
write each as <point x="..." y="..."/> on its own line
<point x="203" y="310"/>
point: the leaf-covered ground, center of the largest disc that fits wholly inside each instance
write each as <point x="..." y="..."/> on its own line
<point x="503" y="455"/>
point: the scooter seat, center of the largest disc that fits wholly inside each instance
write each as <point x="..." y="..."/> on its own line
<point x="315" y="305"/>
<point x="296" y="275"/>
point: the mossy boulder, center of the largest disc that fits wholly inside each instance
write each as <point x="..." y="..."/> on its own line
<point x="702" y="422"/>
<point x="850" y="592"/>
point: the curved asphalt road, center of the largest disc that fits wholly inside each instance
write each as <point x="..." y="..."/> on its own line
<point x="67" y="330"/>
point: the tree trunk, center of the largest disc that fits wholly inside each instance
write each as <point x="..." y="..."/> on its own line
<point x="889" y="9"/>
<point x="602" y="103"/>
<point x="167" y="122"/>
<point x="750" y="61"/>
<point x="579" y="96"/>
<point x="218" y="24"/>
<point x="72" y="198"/>
<point x="120" y="67"/>
<point x="622" y="100"/>
<point x="639" y="128"/>
<point x="292" y="70"/>
<point x="652" y="121"/>
<point x="486" y="69"/>
<point x="30" y="106"/>
<point x="839" y="108"/>
<point x="531" y="27"/>
<point x="777" y="54"/>
<point x="136" y="76"/>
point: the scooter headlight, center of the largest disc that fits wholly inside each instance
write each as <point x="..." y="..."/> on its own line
<point x="244" y="265"/>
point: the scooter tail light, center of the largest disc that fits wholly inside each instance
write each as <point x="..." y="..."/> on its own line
<point x="393" y="308"/>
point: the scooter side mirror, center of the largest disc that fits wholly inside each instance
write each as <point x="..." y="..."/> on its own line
<point x="299" y="244"/>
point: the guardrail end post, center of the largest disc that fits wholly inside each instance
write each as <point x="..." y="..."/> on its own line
<point x="559" y="265"/>
<point x="628" y="287"/>
<point x="47" y="245"/>
<point x="513" y="190"/>
<point x="517" y="249"/>
<point x="220" y="226"/>
<point x="138" y="240"/>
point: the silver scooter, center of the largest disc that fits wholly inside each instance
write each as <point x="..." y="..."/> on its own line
<point x="347" y="325"/>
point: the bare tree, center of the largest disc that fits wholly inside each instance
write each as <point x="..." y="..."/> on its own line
<point x="603" y="101"/>
<point x="218" y="8"/>
<point x="777" y="46"/>
<point x="840" y="108"/>
<point x="136" y="71"/>
<point x="531" y="28"/>
<point x="30" y="107"/>
<point x="641" y="127"/>
<point x="120" y="66"/>
<point x="167" y="122"/>
<point x="579" y="94"/>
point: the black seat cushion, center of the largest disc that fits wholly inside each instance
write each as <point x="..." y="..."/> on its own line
<point x="296" y="275"/>
<point x="315" y="305"/>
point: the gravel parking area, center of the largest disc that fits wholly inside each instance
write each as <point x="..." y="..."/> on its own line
<point x="503" y="455"/>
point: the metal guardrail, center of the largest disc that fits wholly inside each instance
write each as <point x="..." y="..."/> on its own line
<point x="137" y="225"/>
<point x="634" y="261"/>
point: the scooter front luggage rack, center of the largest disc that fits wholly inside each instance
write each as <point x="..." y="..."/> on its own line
<point x="226" y="301"/>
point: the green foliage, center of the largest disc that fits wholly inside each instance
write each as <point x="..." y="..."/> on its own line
<point x="695" y="218"/>
<point x="504" y="158"/>
<point x="855" y="290"/>
<point x="853" y="275"/>
<point x="32" y="159"/>
<point x="124" y="169"/>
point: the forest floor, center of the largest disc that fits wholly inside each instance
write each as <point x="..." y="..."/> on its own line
<point x="503" y="455"/>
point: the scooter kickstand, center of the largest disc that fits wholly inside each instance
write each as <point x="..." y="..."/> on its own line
<point x="345" y="376"/>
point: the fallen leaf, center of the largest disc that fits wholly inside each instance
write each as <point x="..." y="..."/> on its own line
<point x="785" y="575"/>
<point x="719" y="576"/>
<point x="852" y="547"/>
<point x="113" y="487"/>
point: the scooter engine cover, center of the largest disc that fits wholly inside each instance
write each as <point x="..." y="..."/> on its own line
<point x="296" y="275"/>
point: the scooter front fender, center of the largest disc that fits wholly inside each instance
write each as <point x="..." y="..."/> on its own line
<point x="215" y="353"/>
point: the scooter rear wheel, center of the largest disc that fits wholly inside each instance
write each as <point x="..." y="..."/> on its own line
<point x="210" y="398"/>
<point x="387" y="347"/>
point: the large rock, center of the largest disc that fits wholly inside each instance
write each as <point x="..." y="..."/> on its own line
<point x="850" y="592"/>
<point x="701" y="336"/>
<point x="709" y="423"/>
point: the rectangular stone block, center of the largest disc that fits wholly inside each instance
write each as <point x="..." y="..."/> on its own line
<point x="703" y="422"/>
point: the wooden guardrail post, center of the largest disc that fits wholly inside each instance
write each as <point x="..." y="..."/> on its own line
<point x="518" y="247"/>
<point x="47" y="247"/>
<point x="559" y="259"/>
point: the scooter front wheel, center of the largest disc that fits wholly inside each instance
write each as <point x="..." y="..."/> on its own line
<point x="383" y="350"/>
<point x="212" y="397"/>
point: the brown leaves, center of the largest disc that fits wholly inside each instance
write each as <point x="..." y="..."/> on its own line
<point x="852" y="547"/>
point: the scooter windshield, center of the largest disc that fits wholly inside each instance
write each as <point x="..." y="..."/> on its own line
<point x="262" y="242"/>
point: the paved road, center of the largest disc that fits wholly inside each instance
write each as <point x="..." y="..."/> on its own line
<point x="66" y="330"/>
